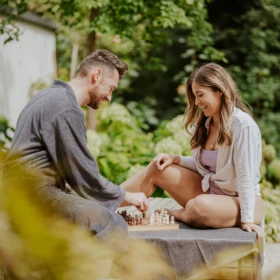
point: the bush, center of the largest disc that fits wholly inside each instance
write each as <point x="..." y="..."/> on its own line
<point x="121" y="147"/>
<point x="270" y="189"/>
<point x="6" y="132"/>
<point x="274" y="169"/>
<point x="269" y="153"/>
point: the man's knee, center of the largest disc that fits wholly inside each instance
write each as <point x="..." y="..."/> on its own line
<point x="99" y="220"/>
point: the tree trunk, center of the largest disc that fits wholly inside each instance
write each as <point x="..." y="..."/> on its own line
<point x="91" y="46"/>
<point x="74" y="59"/>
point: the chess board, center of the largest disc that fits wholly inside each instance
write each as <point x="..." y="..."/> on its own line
<point x="148" y="227"/>
<point x="158" y="220"/>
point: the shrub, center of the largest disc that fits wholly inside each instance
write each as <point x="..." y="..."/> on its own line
<point x="269" y="153"/>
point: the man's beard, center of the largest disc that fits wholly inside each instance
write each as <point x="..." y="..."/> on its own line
<point x="95" y="100"/>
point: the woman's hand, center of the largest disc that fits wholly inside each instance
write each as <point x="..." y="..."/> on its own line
<point x="163" y="160"/>
<point x="253" y="227"/>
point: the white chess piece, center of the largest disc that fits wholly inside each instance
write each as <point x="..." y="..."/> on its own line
<point x="152" y="219"/>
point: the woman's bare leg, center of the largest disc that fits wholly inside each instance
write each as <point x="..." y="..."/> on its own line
<point x="181" y="183"/>
<point x="216" y="211"/>
<point x="199" y="209"/>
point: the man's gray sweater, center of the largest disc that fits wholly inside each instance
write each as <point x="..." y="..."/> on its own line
<point x="51" y="137"/>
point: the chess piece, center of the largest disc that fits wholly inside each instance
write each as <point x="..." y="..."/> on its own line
<point x="172" y="220"/>
<point x="152" y="219"/>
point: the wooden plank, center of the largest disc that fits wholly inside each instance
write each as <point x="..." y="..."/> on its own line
<point x="166" y="203"/>
<point x="174" y="205"/>
<point x="157" y="203"/>
<point x="169" y="202"/>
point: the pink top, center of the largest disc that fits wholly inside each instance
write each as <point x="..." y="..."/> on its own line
<point x="209" y="160"/>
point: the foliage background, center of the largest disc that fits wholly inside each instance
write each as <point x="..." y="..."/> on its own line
<point x="162" y="41"/>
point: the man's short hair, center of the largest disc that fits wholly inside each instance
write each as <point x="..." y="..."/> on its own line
<point x="102" y="58"/>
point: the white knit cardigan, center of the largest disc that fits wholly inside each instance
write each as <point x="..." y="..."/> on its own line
<point x="238" y="164"/>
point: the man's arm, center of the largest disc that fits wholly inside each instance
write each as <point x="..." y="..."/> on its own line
<point x="65" y="140"/>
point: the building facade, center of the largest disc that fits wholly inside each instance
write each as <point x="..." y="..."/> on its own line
<point x="26" y="63"/>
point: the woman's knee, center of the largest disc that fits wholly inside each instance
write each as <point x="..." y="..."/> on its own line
<point x="152" y="171"/>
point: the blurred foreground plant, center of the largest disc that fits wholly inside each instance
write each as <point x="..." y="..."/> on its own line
<point x="5" y="133"/>
<point x="242" y="262"/>
<point x="35" y="243"/>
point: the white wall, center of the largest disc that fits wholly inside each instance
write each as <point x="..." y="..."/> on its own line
<point x="23" y="63"/>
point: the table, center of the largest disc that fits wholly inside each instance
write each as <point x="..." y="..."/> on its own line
<point x="188" y="248"/>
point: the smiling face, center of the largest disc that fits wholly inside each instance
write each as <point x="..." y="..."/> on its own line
<point x="208" y="100"/>
<point x="103" y="85"/>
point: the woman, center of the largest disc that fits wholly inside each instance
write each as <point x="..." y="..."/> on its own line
<point x="218" y="185"/>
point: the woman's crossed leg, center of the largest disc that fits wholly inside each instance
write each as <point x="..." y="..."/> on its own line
<point x="200" y="209"/>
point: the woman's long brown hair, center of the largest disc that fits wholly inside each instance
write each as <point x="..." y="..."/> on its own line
<point x="218" y="79"/>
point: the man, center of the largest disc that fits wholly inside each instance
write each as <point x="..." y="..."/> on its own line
<point x="51" y="137"/>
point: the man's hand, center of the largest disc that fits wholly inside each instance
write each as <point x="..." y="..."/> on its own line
<point x="253" y="227"/>
<point x="137" y="199"/>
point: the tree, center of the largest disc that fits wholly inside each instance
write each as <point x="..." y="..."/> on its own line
<point x="248" y="32"/>
<point x="13" y="9"/>
<point x="149" y="25"/>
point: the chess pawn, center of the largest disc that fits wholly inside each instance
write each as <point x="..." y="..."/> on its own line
<point x="167" y="221"/>
<point x="172" y="220"/>
<point x="156" y="218"/>
<point x="152" y="219"/>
